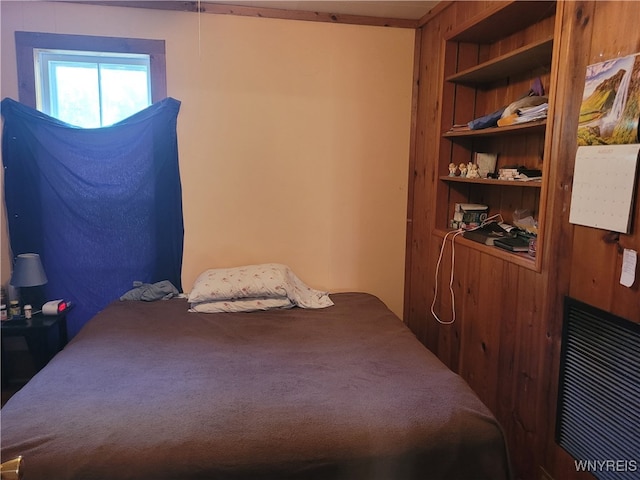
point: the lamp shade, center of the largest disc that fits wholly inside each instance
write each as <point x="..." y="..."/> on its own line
<point x="28" y="271"/>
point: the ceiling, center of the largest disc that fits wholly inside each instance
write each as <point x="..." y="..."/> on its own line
<point x="411" y="10"/>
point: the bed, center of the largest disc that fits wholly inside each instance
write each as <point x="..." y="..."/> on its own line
<point x="150" y="390"/>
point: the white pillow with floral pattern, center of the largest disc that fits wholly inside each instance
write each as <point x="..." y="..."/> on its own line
<point x="270" y="280"/>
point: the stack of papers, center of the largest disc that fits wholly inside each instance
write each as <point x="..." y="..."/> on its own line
<point x="530" y="114"/>
<point x="527" y="109"/>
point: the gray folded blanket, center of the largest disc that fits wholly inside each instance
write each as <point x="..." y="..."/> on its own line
<point x="149" y="292"/>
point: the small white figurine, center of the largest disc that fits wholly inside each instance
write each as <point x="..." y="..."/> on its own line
<point x="473" y="171"/>
<point x="452" y="169"/>
<point x="469" y="165"/>
<point x="463" y="170"/>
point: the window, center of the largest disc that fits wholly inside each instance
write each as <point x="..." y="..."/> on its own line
<point x="89" y="81"/>
<point x="90" y="89"/>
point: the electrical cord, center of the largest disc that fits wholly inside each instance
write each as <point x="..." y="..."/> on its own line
<point x="435" y="293"/>
<point x="454" y="233"/>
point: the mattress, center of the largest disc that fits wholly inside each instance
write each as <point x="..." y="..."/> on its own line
<point x="148" y="390"/>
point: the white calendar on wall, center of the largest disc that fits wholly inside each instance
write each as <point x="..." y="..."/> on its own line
<point x="604" y="183"/>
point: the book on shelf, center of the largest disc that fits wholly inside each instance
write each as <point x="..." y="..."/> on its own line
<point x="458" y="127"/>
<point x="519" y="173"/>
<point x="487" y="234"/>
<point x="513" y="244"/>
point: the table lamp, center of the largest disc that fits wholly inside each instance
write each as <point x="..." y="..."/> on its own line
<point x="28" y="275"/>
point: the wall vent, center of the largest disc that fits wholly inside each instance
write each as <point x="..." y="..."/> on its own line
<point x="598" y="420"/>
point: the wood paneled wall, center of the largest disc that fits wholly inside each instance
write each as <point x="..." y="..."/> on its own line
<point x="506" y="341"/>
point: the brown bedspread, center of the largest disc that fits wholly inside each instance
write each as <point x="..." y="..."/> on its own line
<point x="150" y="391"/>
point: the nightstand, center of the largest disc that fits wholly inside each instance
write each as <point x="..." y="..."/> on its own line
<point x="45" y="336"/>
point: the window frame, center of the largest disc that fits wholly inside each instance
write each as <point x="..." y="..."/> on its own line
<point x="26" y="42"/>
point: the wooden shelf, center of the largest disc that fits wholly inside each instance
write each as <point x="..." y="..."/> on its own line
<point x="521" y="259"/>
<point x="491" y="181"/>
<point x="489" y="60"/>
<point x="518" y="129"/>
<point x="521" y="60"/>
<point x="503" y="20"/>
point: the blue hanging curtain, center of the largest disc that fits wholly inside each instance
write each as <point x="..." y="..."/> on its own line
<point x="102" y="207"/>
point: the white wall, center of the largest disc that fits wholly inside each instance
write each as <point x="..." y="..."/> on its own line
<point x="293" y="137"/>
